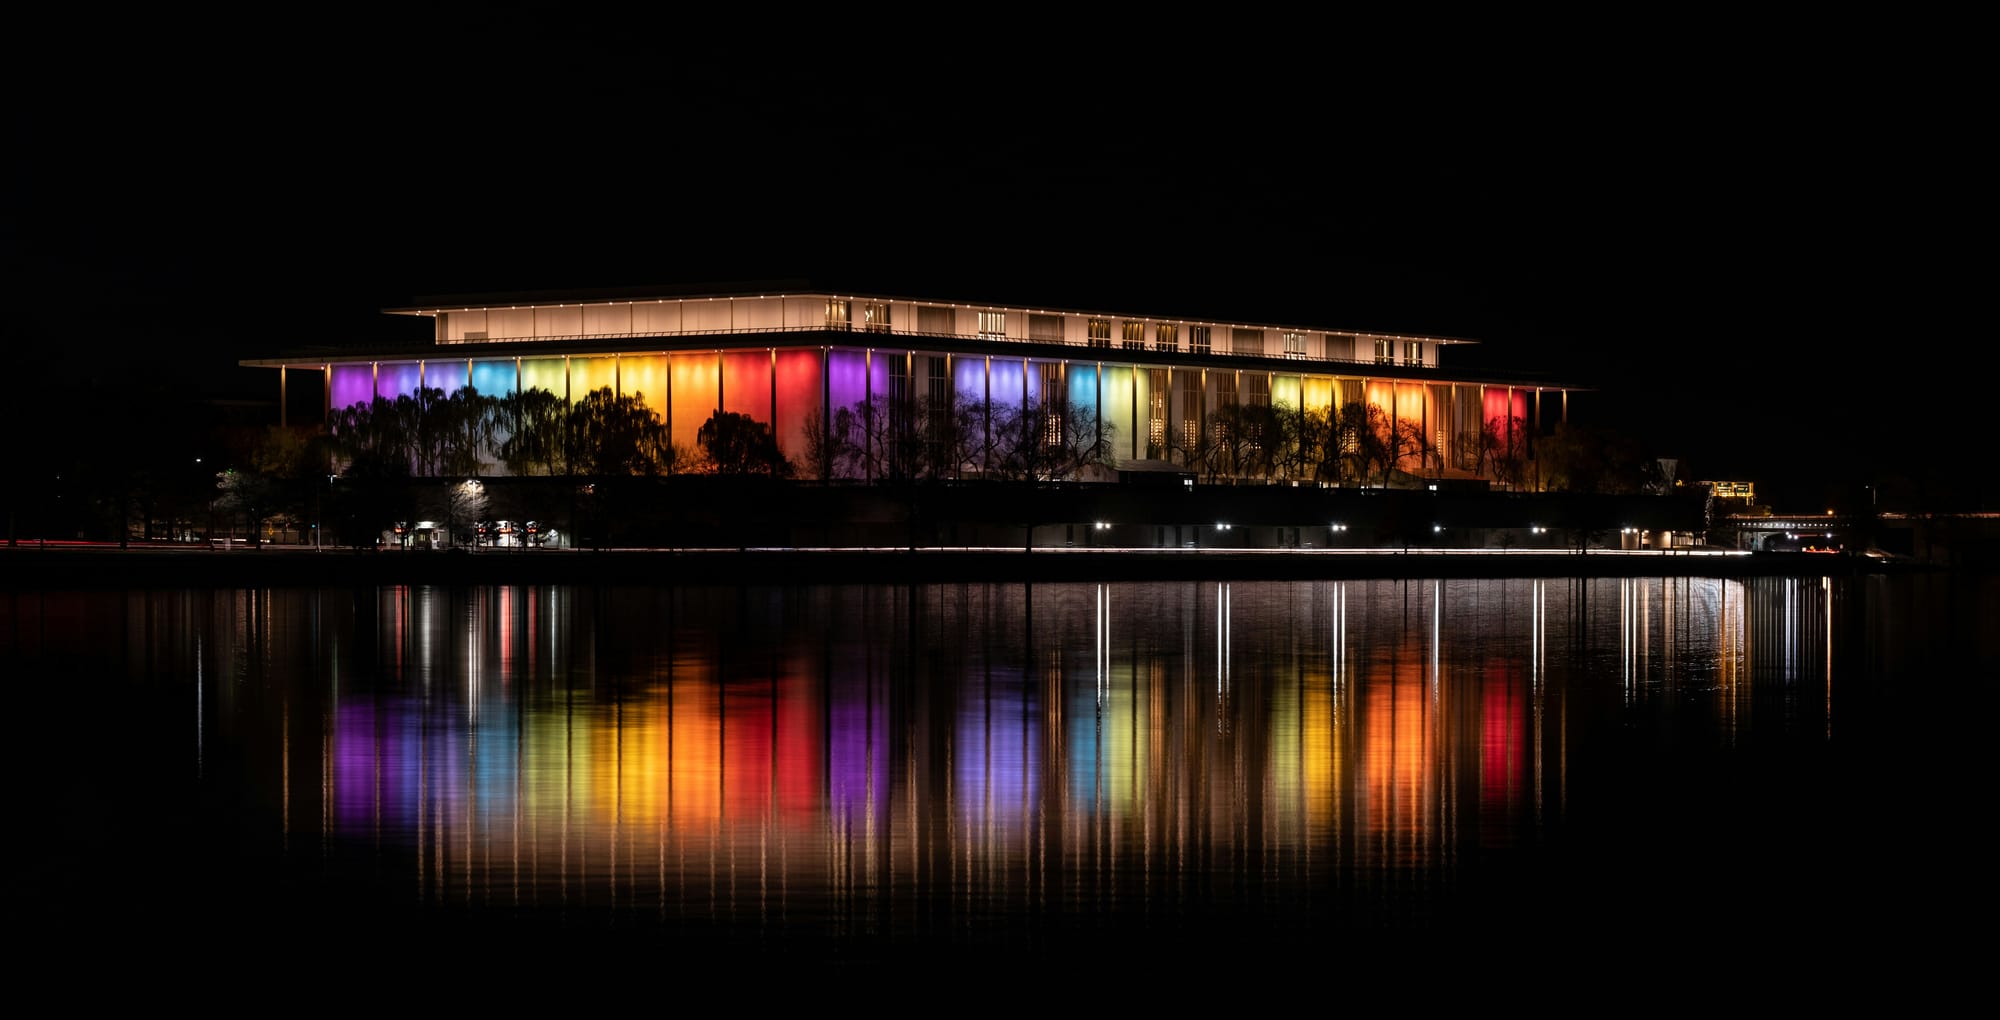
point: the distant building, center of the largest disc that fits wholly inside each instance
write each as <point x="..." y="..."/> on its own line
<point x="1147" y="391"/>
<point x="1736" y="496"/>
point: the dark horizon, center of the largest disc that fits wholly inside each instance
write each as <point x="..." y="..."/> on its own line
<point x="1678" y="258"/>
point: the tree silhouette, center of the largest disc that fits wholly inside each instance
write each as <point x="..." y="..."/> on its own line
<point x="1579" y="458"/>
<point x="537" y="424"/>
<point x="737" y="444"/>
<point x="244" y="494"/>
<point x="611" y="434"/>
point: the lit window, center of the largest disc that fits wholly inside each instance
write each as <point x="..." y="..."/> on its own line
<point x="993" y="325"/>
<point x="1191" y="412"/>
<point x="1413" y="353"/>
<point x="836" y="314"/>
<point x="1384" y="353"/>
<point x="1135" y="336"/>
<point x="1156" y="413"/>
<point x="1052" y="405"/>
<point x="1198" y="339"/>
<point x="1164" y="338"/>
<point x="1295" y="345"/>
<point x="875" y="318"/>
<point x="1099" y="332"/>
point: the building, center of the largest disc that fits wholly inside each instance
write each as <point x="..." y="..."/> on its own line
<point x="1139" y="391"/>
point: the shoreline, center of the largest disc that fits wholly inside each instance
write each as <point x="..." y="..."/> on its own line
<point x="64" y="567"/>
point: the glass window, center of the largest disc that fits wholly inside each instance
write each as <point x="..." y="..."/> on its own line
<point x="875" y="318"/>
<point x="993" y="325"/>
<point x="1246" y="341"/>
<point x="1295" y="345"/>
<point x="1164" y="338"/>
<point x="836" y="314"/>
<point x="1135" y="336"/>
<point x="933" y="319"/>
<point x="1198" y="339"/>
<point x="1384" y="354"/>
<point x="1413" y="353"/>
<point x="1045" y="327"/>
<point x="1156" y="413"/>
<point x="1191" y="411"/>
<point x="1099" y="332"/>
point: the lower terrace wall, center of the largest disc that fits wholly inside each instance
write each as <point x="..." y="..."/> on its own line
<point x="685" y="512"/>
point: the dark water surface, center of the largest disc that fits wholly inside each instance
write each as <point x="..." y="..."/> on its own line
<point x="1179" y="789"/>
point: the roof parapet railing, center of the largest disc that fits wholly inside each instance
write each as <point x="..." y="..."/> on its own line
<point x="1109" y="348"/>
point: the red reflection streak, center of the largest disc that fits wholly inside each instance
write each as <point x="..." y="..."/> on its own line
<point x="770" y="759"/>
<point x="1502" y="750"/>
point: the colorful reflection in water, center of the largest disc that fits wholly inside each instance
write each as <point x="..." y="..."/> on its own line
<point x="986" y="763"/>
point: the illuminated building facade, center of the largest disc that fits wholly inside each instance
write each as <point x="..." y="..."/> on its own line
<point x="792" y="360"/>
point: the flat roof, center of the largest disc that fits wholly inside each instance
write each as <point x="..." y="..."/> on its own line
<point x="434" y="304"/>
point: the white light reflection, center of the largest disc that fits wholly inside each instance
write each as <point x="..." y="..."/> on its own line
<point x="1826" y="598"/>
<point x="1222" y="653"/>
<point x="1437" y="634"/>
<point x="1628" y="626"/>
<point x="199" y="687"/>
<point x="1103" y="633"/>
<point x="1339" y="638"/>
<point x="1538" y="608"/>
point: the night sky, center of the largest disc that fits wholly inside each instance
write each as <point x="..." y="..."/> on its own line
<point x="1747" y="255"/>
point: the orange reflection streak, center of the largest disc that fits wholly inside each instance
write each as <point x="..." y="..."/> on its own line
<point x="1320" y="750"/>
<point x="1397" y="758"/>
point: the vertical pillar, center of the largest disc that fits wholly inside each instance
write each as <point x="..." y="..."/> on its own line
<point x="825" y="414"/>
<point x="1510" y="420"/>
<point x="1428" y="437"/>
<point x="1097" y="413"/>
<point x="868" y="405"/>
